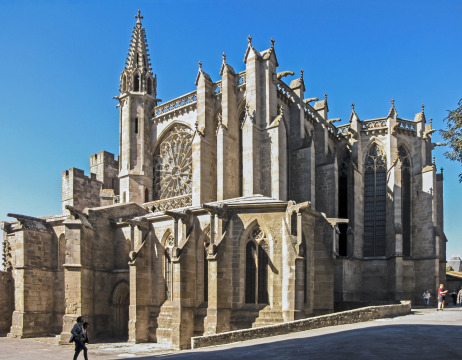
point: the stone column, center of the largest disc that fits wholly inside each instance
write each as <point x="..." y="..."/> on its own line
<point x="204" y="143"/>
<point x="140" y="286"/>
<point x="227" y="138"/>
<point x="219" y="277"/>
<point x="78" y="278"/>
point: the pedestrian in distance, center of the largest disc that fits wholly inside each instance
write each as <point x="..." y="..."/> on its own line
<point x="454" y="297"/>
<point x="459" y="297"/>
<point x="78" y="336"/>
<point x="426" y="296"/>
<point x="441" y="294"/>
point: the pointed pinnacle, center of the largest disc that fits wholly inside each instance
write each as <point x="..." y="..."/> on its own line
<point x="301" y="74"/>
<point x="353" y="106"/>
<point x="392" y="102"/>
<point x="423" y="107"/>
<point x="249" y="39"/>
<point x="200" y="65"/>
<point x="224" y="57"/>
<point x="272" y="43"/>
<point x="325" y="96"/>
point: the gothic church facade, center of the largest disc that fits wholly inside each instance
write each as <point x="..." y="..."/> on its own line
<point x="238" y="204"/>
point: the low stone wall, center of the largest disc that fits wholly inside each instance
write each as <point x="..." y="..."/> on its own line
<point x="345" y="317"/>
<point x="6" y="301"/>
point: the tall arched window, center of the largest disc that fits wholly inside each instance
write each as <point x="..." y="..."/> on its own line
<point x="149" y="86"/>
<point x="136" y="83"/>
<point x="343" y="201"/>
<point x="241" y="162"/>
<point x="256" y="269"/>
<point x="169" y="242"/>
<point x="146" y="195"/>
<point x="405" y="161"/>
<point x="375" y="190"/>
<point x="206" y="276"/>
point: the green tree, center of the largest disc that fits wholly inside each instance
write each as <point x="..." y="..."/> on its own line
<point x="453" y="135"/>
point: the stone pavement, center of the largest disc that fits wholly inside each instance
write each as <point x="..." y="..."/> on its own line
<point x="425" y="334"/>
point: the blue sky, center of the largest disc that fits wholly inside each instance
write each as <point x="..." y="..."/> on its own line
<point x="61" y="62"/>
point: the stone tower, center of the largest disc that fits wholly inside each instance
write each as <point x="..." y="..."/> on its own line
<point x="136" y="102"/>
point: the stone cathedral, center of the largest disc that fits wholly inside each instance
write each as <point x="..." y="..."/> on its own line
<point x="237" y="205"/>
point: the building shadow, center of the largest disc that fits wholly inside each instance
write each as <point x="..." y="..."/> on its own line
<point x="377" y="342"/>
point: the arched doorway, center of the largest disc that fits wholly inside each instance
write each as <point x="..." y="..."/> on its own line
<point x="120" y="303"/>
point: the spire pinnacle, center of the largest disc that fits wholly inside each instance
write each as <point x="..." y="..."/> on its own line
<point x="353" y="106"/>
<point x="249" y="39"/>
<point x="200" y="65"/>
<point x="138" y="17"/>
<point x="272" y="43"/>
<point x="423" y="107"/>
<point x="224" y="57"/>
<point x="392" y="102"/>
<point x="325" y="96"/>
<point x="301" y="74"/>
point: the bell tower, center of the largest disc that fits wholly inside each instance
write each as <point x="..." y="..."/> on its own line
<point x="137" y="100"/>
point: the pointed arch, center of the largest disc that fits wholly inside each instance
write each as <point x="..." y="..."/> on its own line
<point x="120" y="300"/>
<point x="256" y="267"/>
<point x="375" y="190"/>
<point x="136" y="82"/>
<point x="406" y="191"/>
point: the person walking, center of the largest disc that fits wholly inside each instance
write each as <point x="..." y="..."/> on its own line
<point x="426" y="296"/>
<point x="78" y="336"/>
<point x="459" y="297"/>
<point x="441" y="294"/>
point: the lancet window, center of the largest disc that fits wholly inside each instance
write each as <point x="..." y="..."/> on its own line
<point x="241" y="161"/>
<point x="136" y="83"/>
<point x="256" y="272"/>
<point x="169" y="242"/>
<point x="375" y="190"/>
<point x="173" y="164"/>
<point x="405" y="161"/>
<point x="343" y="184"/>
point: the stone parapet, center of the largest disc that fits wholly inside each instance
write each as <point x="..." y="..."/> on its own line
<point x="346" y="317"/>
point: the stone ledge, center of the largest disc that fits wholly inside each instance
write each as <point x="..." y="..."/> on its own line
<point x="340" y="318"/>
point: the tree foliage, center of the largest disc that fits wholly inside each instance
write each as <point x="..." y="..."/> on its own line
<point x="453" y="135"/>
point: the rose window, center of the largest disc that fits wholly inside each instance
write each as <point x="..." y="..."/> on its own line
<point x="173" y="164"/>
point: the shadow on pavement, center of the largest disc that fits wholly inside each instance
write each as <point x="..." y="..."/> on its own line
<point x="378" y="342"/>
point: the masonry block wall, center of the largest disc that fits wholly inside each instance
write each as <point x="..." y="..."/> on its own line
<point x="6" y="301"/>
<point x="106" y="169"/>
<point x="80" y="191"/>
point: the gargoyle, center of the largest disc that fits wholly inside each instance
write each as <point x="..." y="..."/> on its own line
<point x="283" y="74"/>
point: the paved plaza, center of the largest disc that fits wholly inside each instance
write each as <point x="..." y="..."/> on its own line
<point x="424" y="334"/>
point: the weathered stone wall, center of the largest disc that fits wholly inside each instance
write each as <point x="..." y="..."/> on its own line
<point x="346" y="317"/>
<point x="6" y="301"/>
<point x="106" y="168"/>
<point x="79" y="191"/>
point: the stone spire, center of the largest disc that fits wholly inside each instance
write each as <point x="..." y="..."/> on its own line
<point x="137" y="74"/>
<point x="138" y="55"/>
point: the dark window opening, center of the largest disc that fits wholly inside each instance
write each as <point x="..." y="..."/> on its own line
<point x="136" y="125"/>
<point x="262" y="273"/>
<point x="250" y="272"/>
<point x="206" y="277"/>
<point x="343" y="202"/>
<point x="146" y="195"/>
<point x="136" y="82"/>
<point x="241" y="164"/>
<point x="149" y="86"/>
<point x="168" y="277"/>
<point x="405" y="199"/>
<point x="293" y="223"/>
